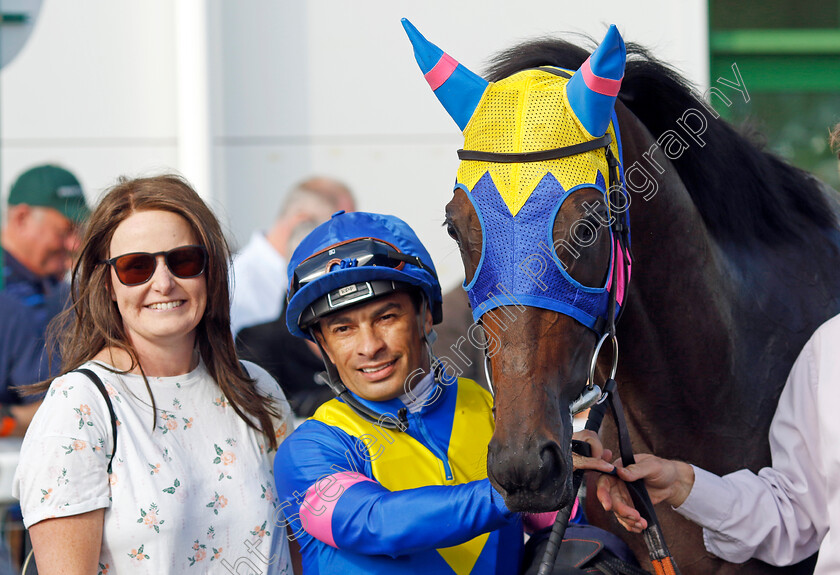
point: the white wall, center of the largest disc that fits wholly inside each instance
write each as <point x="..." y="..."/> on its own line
<point x="91" y="89"/>
<point x="295" y="88"/>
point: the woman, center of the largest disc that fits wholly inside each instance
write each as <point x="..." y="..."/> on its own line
<point x="190" y="487"/>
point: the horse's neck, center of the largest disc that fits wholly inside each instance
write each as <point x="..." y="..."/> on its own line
<point x="711" y="330"/>
<point x="677" y="341"/>
<point x="678" y="291"/>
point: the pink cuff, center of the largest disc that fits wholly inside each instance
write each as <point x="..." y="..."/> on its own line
<point x="318" y="505"/>
<point x="536" y="521"/>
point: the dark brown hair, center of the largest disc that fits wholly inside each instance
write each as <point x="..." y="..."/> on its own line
<point x="93" y="322"/>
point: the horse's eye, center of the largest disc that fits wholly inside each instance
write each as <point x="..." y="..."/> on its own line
<point x="583" y="234"/>
<point x="450" y="229"/>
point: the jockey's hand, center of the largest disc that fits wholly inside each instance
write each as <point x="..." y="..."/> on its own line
<point x="600" y="460"/>
<point x="665" y="479"/>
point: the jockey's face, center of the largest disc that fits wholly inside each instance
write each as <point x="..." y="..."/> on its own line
<point x="376" y="345"/>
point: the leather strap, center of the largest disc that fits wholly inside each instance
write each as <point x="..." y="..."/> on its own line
<point x="101" y="387"/>
<point x="658" y="550"/>
<point x="541" y="156"/>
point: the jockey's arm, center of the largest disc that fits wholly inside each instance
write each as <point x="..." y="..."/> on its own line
<point x="329" y="494"/>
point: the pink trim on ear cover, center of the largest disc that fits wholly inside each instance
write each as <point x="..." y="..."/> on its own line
<point x="441" y="72"/>
<point x="604" y="86"/>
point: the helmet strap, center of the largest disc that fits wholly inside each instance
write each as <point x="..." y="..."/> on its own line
<point x="329" y="377"/>
<point x="430" y="337"/>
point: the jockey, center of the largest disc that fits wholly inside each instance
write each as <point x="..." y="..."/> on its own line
<point x="391" y="474"/>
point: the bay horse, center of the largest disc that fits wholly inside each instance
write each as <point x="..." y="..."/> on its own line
<point x="735" y="259"/>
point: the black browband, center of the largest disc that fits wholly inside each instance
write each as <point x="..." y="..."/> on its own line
<point x="541" y="156"/>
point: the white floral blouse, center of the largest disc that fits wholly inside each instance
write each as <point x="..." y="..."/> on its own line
<point x="196" y="495"/>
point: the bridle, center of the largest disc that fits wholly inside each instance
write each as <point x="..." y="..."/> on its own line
<point x="620" y="232"/>
<point x="595" y="396"/>
<point x="620" y="235"/>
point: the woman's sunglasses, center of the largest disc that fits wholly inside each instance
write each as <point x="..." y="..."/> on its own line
<point x="138" y="267"/>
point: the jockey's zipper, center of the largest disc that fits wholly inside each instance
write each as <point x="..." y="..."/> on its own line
<point x="433" y="446"/>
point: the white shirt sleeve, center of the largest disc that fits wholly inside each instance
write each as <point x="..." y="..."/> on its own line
<point x="258" y="284"/>
<point x="779" y="514"/>
<point x="72" y="432"/>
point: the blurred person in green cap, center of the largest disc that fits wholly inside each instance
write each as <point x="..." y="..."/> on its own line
<point x="22" y="362"/>
<point x="46" y="209"/>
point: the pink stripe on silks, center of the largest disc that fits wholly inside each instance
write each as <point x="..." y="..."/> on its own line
<point x="318" y="506"/>
<point x="441" y="72"/>
<point x="605" y="86"/>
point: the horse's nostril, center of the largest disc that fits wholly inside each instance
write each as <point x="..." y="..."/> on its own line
<point x="551" y="457"/>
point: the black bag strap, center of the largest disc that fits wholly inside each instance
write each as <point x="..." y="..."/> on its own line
<point x="101" y="387"/>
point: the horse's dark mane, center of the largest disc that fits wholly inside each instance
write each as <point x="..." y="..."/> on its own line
<point x="742" y="192"/>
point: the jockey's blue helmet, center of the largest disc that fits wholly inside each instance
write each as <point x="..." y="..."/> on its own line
<point x="352" y="258"/>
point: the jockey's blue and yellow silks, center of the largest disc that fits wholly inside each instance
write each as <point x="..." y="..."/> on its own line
<point x="417" y="501"/>
<point x="534" y="110"/>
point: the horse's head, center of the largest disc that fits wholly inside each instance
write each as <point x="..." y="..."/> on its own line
<point x="539" y="215"/>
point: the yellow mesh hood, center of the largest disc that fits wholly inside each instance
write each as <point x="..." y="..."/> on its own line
<point x="529" y="112"/>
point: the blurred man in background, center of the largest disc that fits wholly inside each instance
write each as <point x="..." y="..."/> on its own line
<point x="46" y="211"/>
<point x="42" y="232"/>
<point x="258" y="316"/>
<point x="259" y="269"/>
<point x="22" y="362"/>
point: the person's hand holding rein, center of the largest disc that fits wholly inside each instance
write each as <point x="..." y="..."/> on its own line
<point x="665" y="479"/>
<point x="600" y="459"/>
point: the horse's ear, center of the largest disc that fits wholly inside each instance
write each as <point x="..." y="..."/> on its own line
<point x="594" y="87"/>
<point x="458" y="89"/>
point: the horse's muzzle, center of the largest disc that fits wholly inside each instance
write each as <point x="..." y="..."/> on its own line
<point x="533" y="478"/>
